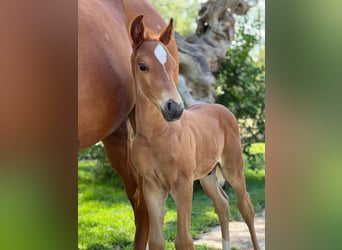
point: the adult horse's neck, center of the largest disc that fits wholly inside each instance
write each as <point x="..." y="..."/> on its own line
<point x="149" y="119"/>
<point x="152" y="18"/>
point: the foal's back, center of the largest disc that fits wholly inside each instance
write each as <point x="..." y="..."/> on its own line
<point x="214" y="114"/>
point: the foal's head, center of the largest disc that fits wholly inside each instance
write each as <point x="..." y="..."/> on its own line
<point x="153" y="67"/>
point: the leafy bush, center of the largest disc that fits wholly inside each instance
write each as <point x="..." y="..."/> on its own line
<point x="96" y="152"/>
<point x="240" y="86"/>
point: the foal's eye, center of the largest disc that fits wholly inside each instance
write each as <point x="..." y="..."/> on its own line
<point x="143" y="67"/>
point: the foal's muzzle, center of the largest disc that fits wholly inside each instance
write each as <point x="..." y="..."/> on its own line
<point x="172" y="111"/>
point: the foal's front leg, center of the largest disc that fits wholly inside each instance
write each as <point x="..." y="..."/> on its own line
<point x="155" y="197"/>
<point x="182" y="194"/>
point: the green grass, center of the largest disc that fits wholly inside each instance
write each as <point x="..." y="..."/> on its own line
<point x="105" y="216"/>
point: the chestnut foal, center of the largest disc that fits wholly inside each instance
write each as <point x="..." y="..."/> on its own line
<point x="172" y="147"/>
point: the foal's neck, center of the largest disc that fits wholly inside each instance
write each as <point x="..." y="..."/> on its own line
<point x="149" y="119"/>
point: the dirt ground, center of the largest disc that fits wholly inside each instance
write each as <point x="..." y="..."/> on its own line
<point x="239" y="235"/>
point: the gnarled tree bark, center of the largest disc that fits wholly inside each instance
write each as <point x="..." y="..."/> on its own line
<point x="201" y="53"/>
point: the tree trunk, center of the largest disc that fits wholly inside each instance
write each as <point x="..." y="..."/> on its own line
<point x="200" y="54"/>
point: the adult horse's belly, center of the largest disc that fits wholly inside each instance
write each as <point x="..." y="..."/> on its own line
<point x="105" y="84"/>
<point x="102" y="106"/>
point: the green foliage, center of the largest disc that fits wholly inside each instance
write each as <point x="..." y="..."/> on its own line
<point x="96" y="152"/>
<point x="183" y="12"/>
<point x="240" y="86"/>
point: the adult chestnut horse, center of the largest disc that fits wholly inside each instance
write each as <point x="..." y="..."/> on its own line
<point x="106" y="93"/>
<point x="173" y="147"/>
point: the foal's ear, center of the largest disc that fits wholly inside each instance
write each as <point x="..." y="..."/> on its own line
<point x="137" y="31"/>
<point x="167" y="34"/>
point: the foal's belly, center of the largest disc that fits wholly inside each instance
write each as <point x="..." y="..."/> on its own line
<point x="206" y="165"/>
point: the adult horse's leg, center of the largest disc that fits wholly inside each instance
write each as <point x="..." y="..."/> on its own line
<point x="233" y="172"/>
<point x="182" y="194"/>
<point x="118" y="149"/>
<point x="214" y="191"/>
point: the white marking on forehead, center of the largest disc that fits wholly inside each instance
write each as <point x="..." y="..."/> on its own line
<point x="159" y="27"/>
<point x="160" y="54"/>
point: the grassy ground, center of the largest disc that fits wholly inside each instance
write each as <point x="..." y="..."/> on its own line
<point x="105" y="217"/>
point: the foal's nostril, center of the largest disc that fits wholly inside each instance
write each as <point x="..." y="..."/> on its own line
<point x="172" y="106"/>
<point x="169" y="105"/>
<point x="172" y="111"/>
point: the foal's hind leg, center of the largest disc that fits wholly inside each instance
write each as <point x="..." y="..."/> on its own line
<point x="214" y="191"/>
<point x="233" y="172"/>
<point x="118" y="148"/>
